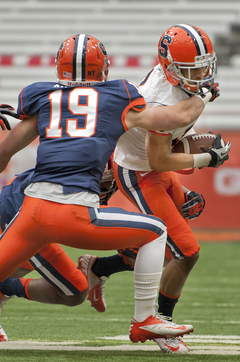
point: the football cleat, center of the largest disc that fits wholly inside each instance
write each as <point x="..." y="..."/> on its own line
<point x="3" y="335"/>
<point x="172" y="345"/>
<point x="3" y="300"/>
<point x="156" y="326"/>
<point x="95" y="283"/>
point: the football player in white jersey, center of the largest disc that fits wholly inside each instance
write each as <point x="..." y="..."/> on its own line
<point x="144" y="165"/>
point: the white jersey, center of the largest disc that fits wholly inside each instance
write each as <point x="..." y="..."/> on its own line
<point x="130" y="150"/>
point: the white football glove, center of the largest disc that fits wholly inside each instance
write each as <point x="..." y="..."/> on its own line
<point x="218" y="152"/>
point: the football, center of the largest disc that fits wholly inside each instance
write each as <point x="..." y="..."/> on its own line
<point x="195" y="143"/>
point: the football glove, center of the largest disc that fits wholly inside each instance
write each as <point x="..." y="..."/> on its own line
<point x="4" y="105"/>
<point x="218" y="152"/>
<point x="128" y="255"/>
<point x="193" y="206"/>
<point x="215" y="92"/>
<point x="207" y="86"/>
<point x="6" y="109"/>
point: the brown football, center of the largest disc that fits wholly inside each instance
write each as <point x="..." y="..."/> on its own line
<point x="194" y="143"/>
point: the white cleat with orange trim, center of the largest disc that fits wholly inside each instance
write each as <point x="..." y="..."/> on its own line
<point x="3" y="300"/>
<point x="95" y="284"/>
<point x="3" y="335"/>
<point x="172" y="345"/>
<point x="156" y="326"/>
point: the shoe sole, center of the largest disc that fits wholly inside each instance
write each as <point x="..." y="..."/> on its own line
<point x="149" y="335"/>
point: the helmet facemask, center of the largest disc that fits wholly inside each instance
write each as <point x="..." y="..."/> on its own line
<point x="188" y="84"/>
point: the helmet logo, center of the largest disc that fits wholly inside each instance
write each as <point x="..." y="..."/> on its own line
<point x="102" y="48"/>
<point x="91" y="73"/>
<point x="163" y="49"/>
<point x="57" y="55"/>
<point x="61" y="46"/>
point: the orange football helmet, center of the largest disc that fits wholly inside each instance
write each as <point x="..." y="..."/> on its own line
<point x="187" y="47"/>
<point x="108" y="183"/>
<point x="81" y="59"/>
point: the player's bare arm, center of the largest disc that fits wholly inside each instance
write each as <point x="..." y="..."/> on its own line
<point x="159" y="154"/>
<point x="160" y="157"/>
<point x="19" y="137"/>
<point x="167" y="118"/>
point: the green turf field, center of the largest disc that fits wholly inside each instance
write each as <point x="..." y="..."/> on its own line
<point x="210" y="301"/>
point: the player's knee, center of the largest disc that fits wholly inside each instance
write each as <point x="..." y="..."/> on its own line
<point x="163" y="230"/>
<point x="195" y="258"/>
<point x="162" y="238"/>
<point x="74" y="300"/>
<point x="191" y="261"/>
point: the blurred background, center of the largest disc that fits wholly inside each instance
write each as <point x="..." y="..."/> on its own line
<point x="32" y="30"/>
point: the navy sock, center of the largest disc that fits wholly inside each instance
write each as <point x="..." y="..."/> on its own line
<point x="107" y="266"/>
<point x="166" y="304"/>
<point x="13" y="286"/>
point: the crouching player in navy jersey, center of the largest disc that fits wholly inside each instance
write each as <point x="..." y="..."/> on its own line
<point x="79" y="120"/>
<point x="61" y="280"/>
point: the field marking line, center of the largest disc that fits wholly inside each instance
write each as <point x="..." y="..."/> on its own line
<point x="74" y="346"/>
<point x="214" y="350"/>
<point x="195" y="338"/>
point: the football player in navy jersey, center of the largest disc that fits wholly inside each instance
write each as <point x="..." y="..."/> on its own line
<point x="79" y="120"/>
<point x="61" y="280"/>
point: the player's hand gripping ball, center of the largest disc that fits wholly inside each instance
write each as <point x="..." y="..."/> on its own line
<point x="195" y="143"/>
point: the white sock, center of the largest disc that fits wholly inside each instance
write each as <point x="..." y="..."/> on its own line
<point x="146" y="290"/>
<point x="147" y="274"/>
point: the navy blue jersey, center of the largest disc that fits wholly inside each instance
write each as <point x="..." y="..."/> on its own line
<point x="78" y="129"/>
<point x="12" y="196"/>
